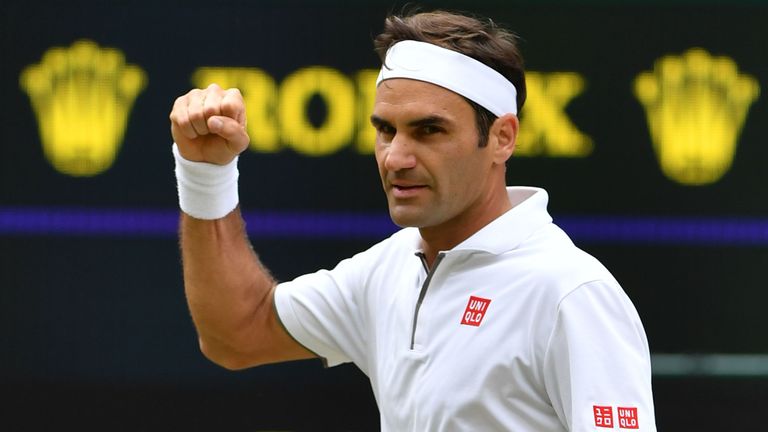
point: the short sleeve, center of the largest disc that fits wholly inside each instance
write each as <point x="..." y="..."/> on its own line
<point x="322" y="312"/>
<point x="597" y="366"/>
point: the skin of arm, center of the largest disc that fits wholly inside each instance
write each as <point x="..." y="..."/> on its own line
<point x="229" y="292"/>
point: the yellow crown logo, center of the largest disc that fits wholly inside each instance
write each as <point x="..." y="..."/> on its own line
<point x="82" y="96"/>
<point x="696" y="105"/>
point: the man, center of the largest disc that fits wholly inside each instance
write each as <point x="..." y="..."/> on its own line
<point x="481" y="314"/>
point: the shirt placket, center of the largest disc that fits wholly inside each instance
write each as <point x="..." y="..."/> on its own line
<point x="415" y="342"/>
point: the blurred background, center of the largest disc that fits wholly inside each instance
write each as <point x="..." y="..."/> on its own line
<point x="646" y="122"/>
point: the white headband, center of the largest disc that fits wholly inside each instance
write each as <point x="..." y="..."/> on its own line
<point x="452" y="70"/>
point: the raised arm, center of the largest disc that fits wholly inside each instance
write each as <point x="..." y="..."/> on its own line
<point x="229" y="293"/>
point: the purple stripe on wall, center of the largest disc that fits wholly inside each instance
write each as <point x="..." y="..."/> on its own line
<point x="60" y="221"/>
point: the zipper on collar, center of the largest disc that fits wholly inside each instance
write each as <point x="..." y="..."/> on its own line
<point x="424" y="288"/>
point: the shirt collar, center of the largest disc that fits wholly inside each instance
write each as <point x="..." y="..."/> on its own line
<point x="508" y="231"/>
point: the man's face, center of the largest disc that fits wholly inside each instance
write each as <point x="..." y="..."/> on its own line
<point x="432" y="170"/>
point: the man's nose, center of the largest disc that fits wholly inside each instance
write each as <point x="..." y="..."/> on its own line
<point x="399" y="154"/>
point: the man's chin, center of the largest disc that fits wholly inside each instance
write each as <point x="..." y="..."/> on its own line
<point x="406" y="219"/>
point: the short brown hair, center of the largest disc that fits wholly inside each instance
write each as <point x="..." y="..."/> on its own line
<point x="478" y="38"/>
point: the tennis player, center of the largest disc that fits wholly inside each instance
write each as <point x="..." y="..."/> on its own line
<point x="480" y="314"/>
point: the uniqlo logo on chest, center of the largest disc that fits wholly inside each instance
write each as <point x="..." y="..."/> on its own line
<point x="628" y="418"/>
<point x="475" y="312"/>
<point x="603" y="416"/>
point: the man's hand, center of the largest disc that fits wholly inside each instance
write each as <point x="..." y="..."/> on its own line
<point x="209" y="125"/>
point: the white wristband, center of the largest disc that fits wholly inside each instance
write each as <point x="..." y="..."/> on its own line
<point x="206" y="191"/>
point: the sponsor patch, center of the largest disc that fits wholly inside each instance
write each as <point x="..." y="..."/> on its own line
<point x="603" y="416"/>
<point x="475" y="312"/>
<point x="628" y="418"/>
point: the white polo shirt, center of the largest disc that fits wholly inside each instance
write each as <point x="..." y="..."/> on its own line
<point x="515" y="329"/>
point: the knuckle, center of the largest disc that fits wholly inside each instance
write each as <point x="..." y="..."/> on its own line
<point x="182" y="122"/>
<point x="196" y="115"/>
<point x="231" y="106"/>
<point x="192" y="95"/>
<point x="210" y="110"/>
<point x="177" y="118"/>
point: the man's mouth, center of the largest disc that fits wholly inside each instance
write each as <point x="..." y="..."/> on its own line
<point x="406" y="190"/>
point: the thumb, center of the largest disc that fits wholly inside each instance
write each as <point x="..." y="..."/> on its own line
<point x="231" y="130"/>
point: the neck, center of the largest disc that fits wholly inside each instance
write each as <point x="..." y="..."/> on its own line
<point x="451" y="233"/>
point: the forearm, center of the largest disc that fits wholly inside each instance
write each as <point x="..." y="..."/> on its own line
<point x="227" y="288"/>
<point x="230" y="294"/>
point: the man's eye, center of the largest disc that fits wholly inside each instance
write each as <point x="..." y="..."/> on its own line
<point x="429" y="130"/>
<point x="386" y="130"/>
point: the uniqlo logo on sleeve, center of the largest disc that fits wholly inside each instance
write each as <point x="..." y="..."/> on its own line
<point x="475" y="312"/>
<point x="628" y="418"/>
<point x="603" y="416"/>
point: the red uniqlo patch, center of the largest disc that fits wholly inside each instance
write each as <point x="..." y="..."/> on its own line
<point x="628" y="418"/>
<point x="476" y="309"/>
<point x="603" y="416"/>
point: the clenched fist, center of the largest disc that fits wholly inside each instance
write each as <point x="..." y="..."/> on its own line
<point x="209" y="125"/>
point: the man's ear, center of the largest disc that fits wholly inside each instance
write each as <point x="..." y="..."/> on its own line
<point x="503" y="137"/>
